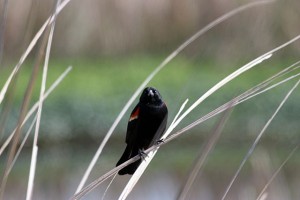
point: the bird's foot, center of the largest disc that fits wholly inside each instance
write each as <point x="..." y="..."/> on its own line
<point x="158" y="142"/>
<point x="142" y="154"/>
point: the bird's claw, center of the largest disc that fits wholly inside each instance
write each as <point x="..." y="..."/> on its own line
<point x="158" y="142"/>
<point x="142" y="154"/>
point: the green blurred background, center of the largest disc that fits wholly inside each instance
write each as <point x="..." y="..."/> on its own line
<point x="113" y="46"/>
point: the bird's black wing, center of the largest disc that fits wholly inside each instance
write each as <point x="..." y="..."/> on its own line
<point x="162" y="127"/>
<point x="131" y="135"/>
<point x="132" y="125"/>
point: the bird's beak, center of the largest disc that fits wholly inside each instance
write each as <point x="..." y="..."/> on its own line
<point x="151" y="93"/>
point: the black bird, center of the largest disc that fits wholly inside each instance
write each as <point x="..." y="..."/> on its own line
<point x="146" y="125"/>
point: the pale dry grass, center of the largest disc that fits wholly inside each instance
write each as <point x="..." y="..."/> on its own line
<point x="46" y="33"/>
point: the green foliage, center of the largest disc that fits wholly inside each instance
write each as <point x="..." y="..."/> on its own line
<point x="92" y="95"/>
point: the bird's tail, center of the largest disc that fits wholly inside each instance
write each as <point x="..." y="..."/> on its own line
<point x="129" y="169"/>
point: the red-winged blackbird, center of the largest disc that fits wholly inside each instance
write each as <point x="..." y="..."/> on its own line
<point x="146" y="125"/>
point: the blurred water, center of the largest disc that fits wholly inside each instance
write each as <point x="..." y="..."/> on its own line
<point x="58" y="175"/>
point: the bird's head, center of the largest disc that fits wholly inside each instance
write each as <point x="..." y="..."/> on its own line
<point x="151" y="96"/>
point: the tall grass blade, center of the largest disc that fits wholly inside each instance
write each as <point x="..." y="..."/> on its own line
<point x="103" y="196"/>
<point x="257" y="139"/>
<point x="5" y="176"/>
<point x="39" y="112"/>
<point x="31" y="172"/>
<point x="263" y="191"/>
<point x="24" y="108"/>
<point x="214" y="136"/>
<point x="233" y="75"/>
<point x="7" y="106"/>
<point x="22" y="144"/>
<point x="179" y="112"/>
<point x="254" y="91"/>
<point x="104" y="177"/>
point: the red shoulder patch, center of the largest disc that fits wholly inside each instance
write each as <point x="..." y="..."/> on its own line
<point x="135" y="114"/>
